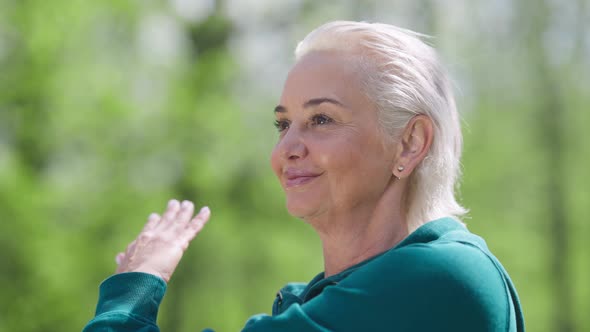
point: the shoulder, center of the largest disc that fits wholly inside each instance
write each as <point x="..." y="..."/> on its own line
<point x="445" y="281"/>
<point x="441" y="260"/>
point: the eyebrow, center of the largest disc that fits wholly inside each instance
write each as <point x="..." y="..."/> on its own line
<point x="311" y="103"/>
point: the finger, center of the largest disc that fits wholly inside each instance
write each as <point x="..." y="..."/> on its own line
<point x="198" y="222"/>
<point x="186" y="212"/>
<point x="202" y="217"/>
<point x="171" y="211"/>
<point x="153" y="220"/>
<point x="119" y="258"/>
<point x="130" y="247"/>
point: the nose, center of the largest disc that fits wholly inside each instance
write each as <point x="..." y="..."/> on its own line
<point x="292" y="146"/>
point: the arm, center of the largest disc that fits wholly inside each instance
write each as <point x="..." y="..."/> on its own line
<point x="419" y="288"/>
<point x="129" y="300"/>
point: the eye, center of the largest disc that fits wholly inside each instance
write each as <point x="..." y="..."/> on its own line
<point x="281" y="125"/>
<point x="320" y="119"/>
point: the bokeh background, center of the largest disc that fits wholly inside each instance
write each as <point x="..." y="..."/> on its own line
<point x="110" y="108"/>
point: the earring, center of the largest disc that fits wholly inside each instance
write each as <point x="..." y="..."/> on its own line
<point x="399" y="168"/>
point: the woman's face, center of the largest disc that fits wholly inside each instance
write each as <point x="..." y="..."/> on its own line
<point x="330" y="157"/>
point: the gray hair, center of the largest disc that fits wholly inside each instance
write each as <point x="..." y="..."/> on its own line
<point x="404" y="77"/>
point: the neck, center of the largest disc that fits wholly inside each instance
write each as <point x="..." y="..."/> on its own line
<point x="352" y="236"/>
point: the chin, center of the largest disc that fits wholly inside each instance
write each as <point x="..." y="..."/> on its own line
<point x="301" y="208"/>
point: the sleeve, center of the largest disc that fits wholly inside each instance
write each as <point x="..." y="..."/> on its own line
<point x="455" y="288"/>
<point x="128" y="302"/>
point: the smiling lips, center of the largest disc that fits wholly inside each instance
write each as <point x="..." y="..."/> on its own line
<point x="296" y="177"/>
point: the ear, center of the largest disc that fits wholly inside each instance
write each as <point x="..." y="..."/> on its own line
<point x="413" y="146"/>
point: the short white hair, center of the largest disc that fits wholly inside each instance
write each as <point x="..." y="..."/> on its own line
<point x="403" y="76"/>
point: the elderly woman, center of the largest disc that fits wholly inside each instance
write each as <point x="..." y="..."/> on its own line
<point x="368" y="155"/>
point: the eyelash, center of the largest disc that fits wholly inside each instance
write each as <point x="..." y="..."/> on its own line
<point x="321" y="117"/>
<point x="317" y="120"/>
<point x="281" y="125"/>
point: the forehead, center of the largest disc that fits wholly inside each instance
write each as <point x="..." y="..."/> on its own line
<point x="324" y="74"/>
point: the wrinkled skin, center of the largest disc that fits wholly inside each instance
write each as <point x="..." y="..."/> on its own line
<point x="159" y="247"/>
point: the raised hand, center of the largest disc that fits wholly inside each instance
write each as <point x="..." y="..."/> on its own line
<point x="160" y="245"/>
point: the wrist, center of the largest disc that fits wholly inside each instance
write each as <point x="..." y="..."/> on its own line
<point x="136" y="293"/>
<point x="145" y="270"/>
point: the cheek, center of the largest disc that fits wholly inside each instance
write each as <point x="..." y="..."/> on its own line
<point x="353" y="166"/>
<point x="275" y="161"/>
<point x="324" y="159"/>
<point x="343" y="156"/>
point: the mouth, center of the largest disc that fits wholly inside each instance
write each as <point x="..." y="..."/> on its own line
<point x="295" y="178"/>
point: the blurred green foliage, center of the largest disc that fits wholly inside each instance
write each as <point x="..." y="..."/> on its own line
<point x="108" y="109"/>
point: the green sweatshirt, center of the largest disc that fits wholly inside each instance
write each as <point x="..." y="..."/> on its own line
<point x="440" y="278"/>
